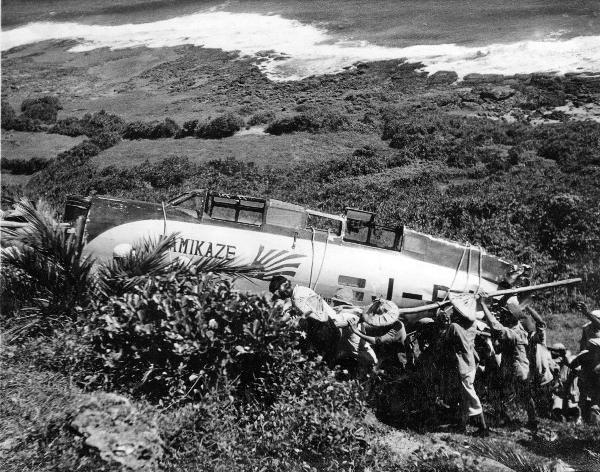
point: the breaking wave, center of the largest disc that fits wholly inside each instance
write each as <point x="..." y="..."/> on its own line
<point x="289" y="50"/>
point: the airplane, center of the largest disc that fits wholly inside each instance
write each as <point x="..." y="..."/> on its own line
<point x="310" y="248"/>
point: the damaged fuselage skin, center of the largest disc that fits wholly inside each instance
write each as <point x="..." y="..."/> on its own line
<point x="314" y="249"/>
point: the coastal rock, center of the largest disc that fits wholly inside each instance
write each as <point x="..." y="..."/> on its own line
<point x="114" y="427"/>
<point x="482" y="78"/>
<point x="496" y="93"/>
<point x="443" y="77"/>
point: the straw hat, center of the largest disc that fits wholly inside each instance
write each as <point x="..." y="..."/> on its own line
<point x="464" y="304"/>
<point x="311" y="304"/>
<point x="382" y="313"/>
<point x="344" y="295"/>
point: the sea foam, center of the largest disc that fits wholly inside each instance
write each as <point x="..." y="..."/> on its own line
<point x="308" y="50"/>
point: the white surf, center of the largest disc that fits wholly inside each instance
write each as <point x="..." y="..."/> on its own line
<point x="301" y="50"/>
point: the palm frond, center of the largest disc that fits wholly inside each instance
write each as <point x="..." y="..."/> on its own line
<point x="153" y="258"/>
<point x="47" y="252"/>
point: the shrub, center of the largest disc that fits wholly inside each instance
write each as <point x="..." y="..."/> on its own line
<point x="90" y="125"/>
<point x="169" y="172"/>
<point x="220" y="127"/>
<point x="101" y="121"/>
<point x="24" y="123"/>
<point x="23" y="166"/>
<point x="166" y="129"/>
<point x="138" y="130"/>
<point x="44" y="109"/>
<point x="362" y="162"/>
<point x="80" y="153"/>
<point x="8" y="115"/>
<point x="70" y="126"/>
<point x="106" y="139"/>
<point x="48" y="258"/>
<point x="188" y="129"/>
<point x="311" y="120"/>
<point x="261" y="118"/>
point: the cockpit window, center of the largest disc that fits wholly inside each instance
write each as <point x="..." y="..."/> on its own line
<point x="361" y="229"/>
<point x="321" y="222"/>
<point x="236" y="209"/>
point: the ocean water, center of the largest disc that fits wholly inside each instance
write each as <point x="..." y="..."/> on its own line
<point x="315" y="37"/>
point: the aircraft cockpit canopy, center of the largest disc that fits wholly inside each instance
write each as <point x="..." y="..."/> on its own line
<point x="361" y="229"/>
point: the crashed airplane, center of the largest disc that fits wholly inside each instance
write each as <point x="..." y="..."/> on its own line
<point x="322" y="251"/>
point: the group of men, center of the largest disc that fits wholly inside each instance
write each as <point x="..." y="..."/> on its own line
<point x="453" y="355"/>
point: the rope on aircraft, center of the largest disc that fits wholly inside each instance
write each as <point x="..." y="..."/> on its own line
<point x="468" y="271"/>
<point x="462" y="258"/>
<point x="312" y="259"/>
<point x="479" y="269"/>
<point x="322" y="260"/>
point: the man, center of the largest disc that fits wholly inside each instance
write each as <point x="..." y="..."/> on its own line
<point x="353" y="352"/>
<point x="281" y="288"/>
<point x="540" y="359"/>
<point x="514" y="366"/>
<point x="565" y="390"/>
<point x="459" y="340"/>
<point x="589" y="361"/>
<point x="383" y="329"/>
<point x="590" y="330"/>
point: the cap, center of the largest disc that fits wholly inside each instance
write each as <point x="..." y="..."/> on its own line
<point x="382" y="313"/>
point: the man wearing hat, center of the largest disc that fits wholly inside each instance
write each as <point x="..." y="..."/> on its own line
<point x="514" y="366"/>
<point x="352" y="351"/>
<point x="591" y="329"/>
<point x="589" y="361"/>
<point x="459" y="340"/>
<point x="383" y="329"/>
<point x="565" y="390"/>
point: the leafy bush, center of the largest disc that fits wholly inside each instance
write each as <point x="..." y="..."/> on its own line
<point x="47" y="257"/>
<point x="101" y="121"/>
<point x="362" y="162"/>
<point x="138" y="130"/>
<point x="151" y="130"/>
<point x="261" y="118"/>
<point x="44" y="108"/>
<point x="220" y="127"/>
<point x="8" y="115"/>
<point x="90" y="125"/>
<point x="311" y="120"/>
<point x="188" y="129"/>
<point x="24" y="123"/>
<point x="23" y="166"/>
<point x="82" y="152"/>
<point x="70" y="126"/>
<point x="166" y="129"/>
<point x="106" y="139"/>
